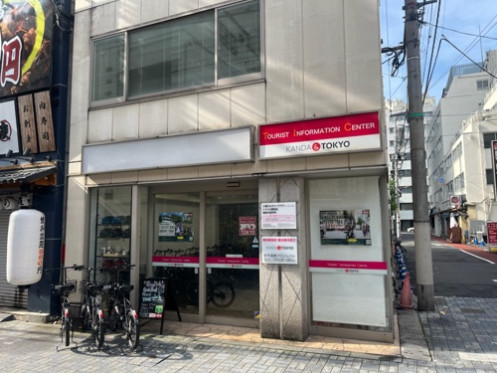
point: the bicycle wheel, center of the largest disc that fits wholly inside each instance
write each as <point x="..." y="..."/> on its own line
<point x="67" y="331"/>
<point x="132" y="330"/>
<point x="223" y="294"/>
<point x="85" y="317"/>
<point x="192" y="292"/>
<point x="114" y="320"/>
<point x="98" y="330"/>
<point x="65" y="326"/>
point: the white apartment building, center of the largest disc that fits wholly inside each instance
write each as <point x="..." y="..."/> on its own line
<point x="460" y="175"/>
<point x="235" y="142"/>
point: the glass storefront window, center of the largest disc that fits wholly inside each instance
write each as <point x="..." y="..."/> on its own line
<point x="232" y="255"/>
<point x="111" y="232"/>
<point x="176" y="246"/>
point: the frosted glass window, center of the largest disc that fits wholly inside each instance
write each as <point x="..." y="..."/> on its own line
<point x="239" y="40"/>
<point x="108" y="65"/>
<point x="173" y="55"/>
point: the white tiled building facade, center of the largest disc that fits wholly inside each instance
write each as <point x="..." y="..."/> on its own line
<point x="209" y="137"/>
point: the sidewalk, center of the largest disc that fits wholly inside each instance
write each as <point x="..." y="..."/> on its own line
<point x="460" y="335"/>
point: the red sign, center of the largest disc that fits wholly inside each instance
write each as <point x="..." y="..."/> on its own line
<point x="492" y="233"/>
<point x="247" y="225"/>
<point x="318" y="136"/>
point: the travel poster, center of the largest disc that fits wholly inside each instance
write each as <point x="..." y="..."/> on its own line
<point x="175" y="226"/>
<point x="345" y="227"/>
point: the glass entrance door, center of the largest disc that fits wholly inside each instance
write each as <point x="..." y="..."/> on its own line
<point x="206" y="245"/>
<point x="176" y="246"/>
<point x="232" y="255"/>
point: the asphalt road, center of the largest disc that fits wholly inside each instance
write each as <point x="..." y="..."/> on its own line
<point x="455" y="272"/>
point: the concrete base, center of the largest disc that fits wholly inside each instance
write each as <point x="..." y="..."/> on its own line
<point x="22" y="315"/>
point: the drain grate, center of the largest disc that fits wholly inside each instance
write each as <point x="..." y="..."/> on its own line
<point x="472" y="310"/>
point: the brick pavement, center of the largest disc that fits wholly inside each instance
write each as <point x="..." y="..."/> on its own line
<point x="461" y="335"/>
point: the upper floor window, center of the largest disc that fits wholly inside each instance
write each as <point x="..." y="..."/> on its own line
<point x="203" y="49"/>
<point x="487" y="139"/>
<point x="482" y="84"/>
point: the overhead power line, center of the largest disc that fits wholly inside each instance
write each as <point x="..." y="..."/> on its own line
<point x="469" y="58"/>
<point x="459" y="32"/>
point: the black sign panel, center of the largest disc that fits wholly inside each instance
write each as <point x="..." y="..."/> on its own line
<point x="152" y="299"/>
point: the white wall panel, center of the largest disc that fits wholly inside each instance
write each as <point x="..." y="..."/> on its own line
<point x="214" y="110"/>
<point x="180" y="6"/>
<point x="248" y="105"/>
<point x="103" y="19"/>
<point x="99" y="126"/>
<point x="80" y="85"/>
<point x="128" y="13"/>
<point x="125" y="122"/>
<point x="154" y="9"/>
<point x="324" y="50"/>
<point x="363" y="57"/>
<point x="183" y="114"/>
<point x="153" y="119"/>
<point x="284" y="62"/>
<point x="203" y="3"/>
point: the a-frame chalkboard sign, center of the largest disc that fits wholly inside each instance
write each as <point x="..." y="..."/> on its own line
<point x="156" y="295"/>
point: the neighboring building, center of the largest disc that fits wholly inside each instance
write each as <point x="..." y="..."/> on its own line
<point x="35" y="39"/>
<point x="399" y="151"/>
<point x="459" y="157"/>
<point x="235" y="145"/>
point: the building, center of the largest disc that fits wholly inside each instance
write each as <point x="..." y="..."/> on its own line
<point x="399" y="152"/>
<point x="210" y="139"/>
<point x="35" y="38"/>
<point x="459" y="155"/>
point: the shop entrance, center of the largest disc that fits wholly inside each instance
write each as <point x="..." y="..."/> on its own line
<point x="206" y="245"/>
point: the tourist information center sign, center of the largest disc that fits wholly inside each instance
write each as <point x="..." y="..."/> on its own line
<point x="348" y="133"/>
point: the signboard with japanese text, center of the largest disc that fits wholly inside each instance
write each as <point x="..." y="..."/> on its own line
<point x="9" y="136"/>
<point x="279" y="250"/>
<point x="44" y="121"/>
<point x="492" y="233"/>
<point x="320" y="136"/>
<point x="25" y="55"/>
<point x="27" y="123"/>
<point x="279" y="215"/>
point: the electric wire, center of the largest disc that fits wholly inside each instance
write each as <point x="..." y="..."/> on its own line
<point x="431" y="65"/>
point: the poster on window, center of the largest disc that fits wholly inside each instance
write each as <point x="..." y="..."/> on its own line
<point x="247" y="226"/>
<point x="345" y="227"/>
<point x="175" y="226"/>
<point x="26" y="50"/>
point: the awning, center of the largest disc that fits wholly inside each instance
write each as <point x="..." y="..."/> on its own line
<point x="25" y="175"/>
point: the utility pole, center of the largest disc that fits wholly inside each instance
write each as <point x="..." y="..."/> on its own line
<point x="422" y="241"/>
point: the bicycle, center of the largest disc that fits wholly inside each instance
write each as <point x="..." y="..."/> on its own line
<point x="122" y="314"/>
<point x="220" y="291"/>
<point x="92" y="315"/>
<point x="63" y="290"/>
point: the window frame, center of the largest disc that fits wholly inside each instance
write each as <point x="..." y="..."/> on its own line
<point x="216" y="84"/>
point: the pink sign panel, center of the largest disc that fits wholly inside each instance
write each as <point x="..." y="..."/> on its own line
<point x="320" y="136"/>
<point x="346" y="266"/>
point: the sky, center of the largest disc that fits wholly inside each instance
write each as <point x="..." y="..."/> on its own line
<point x="460" y="21"/>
